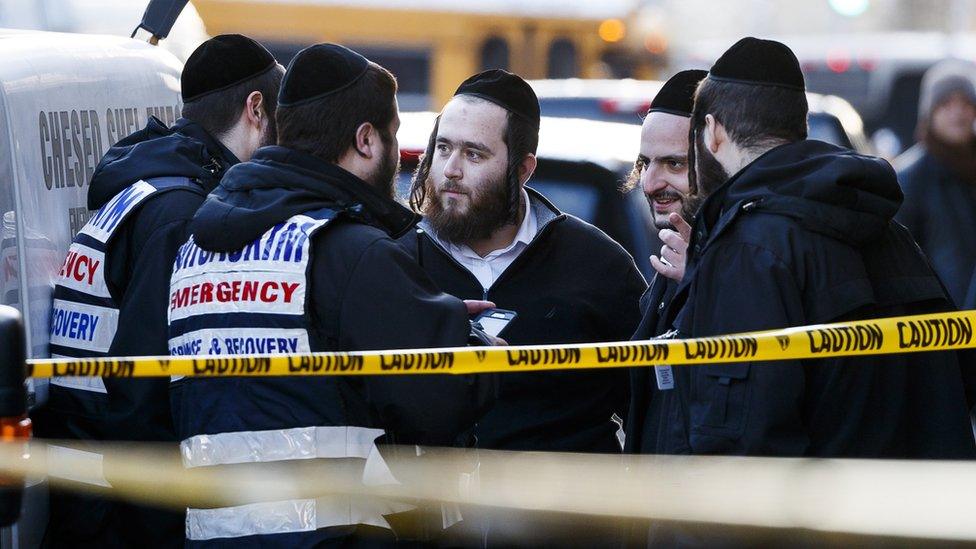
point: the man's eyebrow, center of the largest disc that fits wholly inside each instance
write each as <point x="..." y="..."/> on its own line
<point x="477" y="146"/>
<point x="671" y="158"/>
<point x="643" y="159"/>
<point x="474" y="145"/>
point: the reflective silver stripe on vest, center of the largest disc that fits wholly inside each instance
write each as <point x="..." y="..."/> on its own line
<point x="290" y="444"/>
<point x="289" y="516"/>
<point x="93" y="384"/>
<point x="79" y="324"/>
<point x="76" y="465"/>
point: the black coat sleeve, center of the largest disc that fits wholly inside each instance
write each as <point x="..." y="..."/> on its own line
<point x="391" y="303"/>
<point x="752" y="408"/>
<point x="140" y="262"/>
<point x="623" y="310"/>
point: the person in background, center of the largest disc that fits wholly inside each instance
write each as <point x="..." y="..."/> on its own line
<point x="938" y="177"/>
<point x="112" y="291"/>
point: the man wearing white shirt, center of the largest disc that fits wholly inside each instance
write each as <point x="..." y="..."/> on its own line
<point x="486" y="235"/>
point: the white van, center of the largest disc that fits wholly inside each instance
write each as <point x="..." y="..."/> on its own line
<point x="64" y="100"/>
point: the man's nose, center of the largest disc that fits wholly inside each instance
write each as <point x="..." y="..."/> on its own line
<point x="650" y="182"/>
<point x="452" y="168"/>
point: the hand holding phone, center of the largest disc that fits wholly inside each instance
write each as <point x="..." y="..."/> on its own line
<point x="494" y="321"/>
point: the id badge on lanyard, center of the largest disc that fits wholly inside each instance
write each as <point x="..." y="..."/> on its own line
<point x="663" y="372"/>
<point x="665" y="377"/>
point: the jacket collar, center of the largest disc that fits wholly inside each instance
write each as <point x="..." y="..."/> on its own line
<point x="324" y="178"/>
<point x="221" y="155"/>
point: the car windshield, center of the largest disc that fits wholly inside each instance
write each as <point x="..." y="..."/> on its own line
<point x="572" y="198"/>
<point x="826" y="127"/>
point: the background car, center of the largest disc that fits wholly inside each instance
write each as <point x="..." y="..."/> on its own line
<point x="832" y="119"/>
<point x="582" y="166"/>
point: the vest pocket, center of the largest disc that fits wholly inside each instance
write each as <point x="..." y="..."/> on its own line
<point x="719" y="398"/>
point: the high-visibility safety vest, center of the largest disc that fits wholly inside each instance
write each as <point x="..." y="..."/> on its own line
<point x="253" y="300"/>
<point x="84" y="314"/>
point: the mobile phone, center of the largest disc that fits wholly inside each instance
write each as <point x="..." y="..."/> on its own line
<point x="494" y="321"/>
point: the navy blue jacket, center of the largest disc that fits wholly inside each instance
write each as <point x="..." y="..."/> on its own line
<point x="804" y="235"/>
<point x="940" y="212"/>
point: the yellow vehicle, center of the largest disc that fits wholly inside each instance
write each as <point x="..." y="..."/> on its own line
<point x="432" y="45"/>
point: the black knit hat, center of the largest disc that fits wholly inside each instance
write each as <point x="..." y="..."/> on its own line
<point x="222" y="62"/>
<point x="318" y="71"/>
<point x="759" y="62"/>
<point x="508" y="91"/>
<point x="677" y="96"/>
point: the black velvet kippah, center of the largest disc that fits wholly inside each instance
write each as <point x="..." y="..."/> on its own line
<point x="507" y="90"/>
<point x="318" y="71"/>
<point x="221" y="62"/>
<point x="677" y="96"/>
<point x="762" y="62"/>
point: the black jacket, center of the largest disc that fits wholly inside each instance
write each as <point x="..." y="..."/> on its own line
<point x="804" y="235"/>
<point x="571" y="284"/>
<point x="940" y="212"/>
<point x="645" y="398"/>
<point x="141" y="254"/>
<point x="138" y="262"/>
<point x="366" y="292"/>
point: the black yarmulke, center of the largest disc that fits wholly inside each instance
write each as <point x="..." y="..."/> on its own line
<point x="677" y="96"/>
<point x="761" y="62"/>
<point x="507" y="90"/>
<point x="221" y="62"/>
<point x="318" y="71"/>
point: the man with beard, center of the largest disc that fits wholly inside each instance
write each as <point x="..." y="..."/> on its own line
<point x="796" y="232"/>
<point x="938" y="176"/>
<point x="486" y="235"/>
<point x="294" y="253"/>
<point x="662" y="172"/>
<point x="115" y="279"/>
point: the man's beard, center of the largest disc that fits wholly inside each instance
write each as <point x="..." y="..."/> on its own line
<point x="488" y="210"/>
<point x="384" y="177"/>
<point x="709" y="172"/>
<point x="666" y="194"/>
<point x="270" y="135"/>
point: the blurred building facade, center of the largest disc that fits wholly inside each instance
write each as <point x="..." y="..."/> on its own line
<point x="432" y="45"/>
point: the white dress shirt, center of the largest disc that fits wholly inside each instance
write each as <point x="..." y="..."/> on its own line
<point x="487" y="269"/>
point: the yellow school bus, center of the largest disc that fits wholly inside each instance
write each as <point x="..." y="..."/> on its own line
<point x="432" y="45"/>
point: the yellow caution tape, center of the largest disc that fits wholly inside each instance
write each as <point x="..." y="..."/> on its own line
<point x="934" y="332"/>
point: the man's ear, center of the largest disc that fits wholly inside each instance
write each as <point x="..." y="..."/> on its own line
<point x="527" y="168"/>
<point x="254" y="110"/>
<point x="715" y="135"/>
<point x="367" y="140"/>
